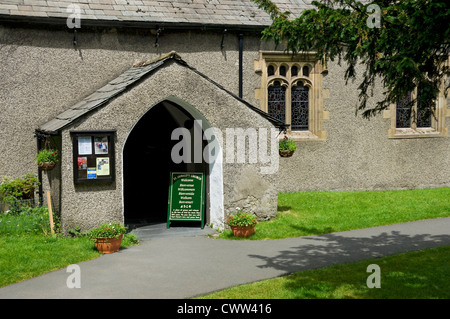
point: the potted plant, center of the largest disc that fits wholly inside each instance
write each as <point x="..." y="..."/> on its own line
<point x="47" y="159"/>
<point x="242" y="224"/>
<point x="287" y="147"/>
<point x="108" y="237"/>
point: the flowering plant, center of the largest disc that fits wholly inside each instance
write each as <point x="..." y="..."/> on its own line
<point x="287" y="144"/>
<point x="111" y="230"/>
<point x="241" y="218"/>
<point x="45" y="156"/>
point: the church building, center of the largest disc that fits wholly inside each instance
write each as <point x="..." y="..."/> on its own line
<point x="142" y="99"/>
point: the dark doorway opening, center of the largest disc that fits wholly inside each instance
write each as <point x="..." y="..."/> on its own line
<point x="147" y="164"/>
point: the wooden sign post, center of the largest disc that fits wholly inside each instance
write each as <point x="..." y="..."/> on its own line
<point x="186" y="197"/>
<point x="50" y="213"/>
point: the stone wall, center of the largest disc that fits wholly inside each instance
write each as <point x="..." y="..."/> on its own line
<point x="358" y="153"/>
<point x="244" y="184"/>
<point x="43" y="74"/>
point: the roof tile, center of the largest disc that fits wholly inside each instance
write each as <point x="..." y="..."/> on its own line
<point x="118" y="85"/>
<point x="186" y="11"/>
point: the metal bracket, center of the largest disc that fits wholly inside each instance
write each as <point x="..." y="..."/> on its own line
<point x="223" y="39"/>
<point x="158" y="33"/>
<point x="75" y="37"/>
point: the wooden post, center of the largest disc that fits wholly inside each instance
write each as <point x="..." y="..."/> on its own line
<point x="50" y="213"/>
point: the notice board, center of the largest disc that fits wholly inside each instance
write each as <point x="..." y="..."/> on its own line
<point x="186" y="197"/>
<point x="93" y="156"/>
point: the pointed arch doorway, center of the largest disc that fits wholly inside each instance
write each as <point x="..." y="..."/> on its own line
<point x="147" y="164"/>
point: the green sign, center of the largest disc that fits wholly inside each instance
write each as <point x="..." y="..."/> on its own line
<point x="186" y="197"/>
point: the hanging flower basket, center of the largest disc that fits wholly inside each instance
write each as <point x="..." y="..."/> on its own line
<point x="47" y="159"/>
<point x="46" y="166"/>
<point x="286" y="153"/>
<point x="287" y="147"/>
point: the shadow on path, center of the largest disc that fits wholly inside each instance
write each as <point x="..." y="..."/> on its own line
<point x="323" y="250"/>
<point x="404" y="281"/>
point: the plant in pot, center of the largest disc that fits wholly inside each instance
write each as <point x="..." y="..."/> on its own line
<point x="108" y="237"/>
<point x="47" y="159"/>
<point x="242" y="224"/>
<point x="287" y="147"/>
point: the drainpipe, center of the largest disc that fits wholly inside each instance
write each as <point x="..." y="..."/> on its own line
<point x="41" y="196"/>
<point x="241" y="47"/>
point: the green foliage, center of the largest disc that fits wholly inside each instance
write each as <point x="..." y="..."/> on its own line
<point x="75" y="232"/>
<point x="409" y="50"/>
<point x="23" y="256"/>
<point x="26" y="255"/>
<point x="314" y="213"/>
<point x="45" y="156"/>
<point x="112" y="230"/>
<point x="25" y="220"/>
<point x="21" y="188"/>
<point x="287" y="144"/>
<point x="129" y="239"/>
<point x="241" y="218"/>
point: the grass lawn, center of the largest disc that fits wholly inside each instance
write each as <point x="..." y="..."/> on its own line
<point x="414" y="275"/>
<point x="27" y="255"/>
<point x="311" y="213"/>
<point x="421" y="274"/>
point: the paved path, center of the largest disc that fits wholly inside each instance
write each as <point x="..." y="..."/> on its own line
<point x="182" y="265"/>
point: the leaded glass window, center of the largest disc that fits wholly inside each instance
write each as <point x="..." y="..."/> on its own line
<point x="291" y="91"/>
<point x="299" y="107"/>
<point x="423" y="112"/>
<point x="270" y="70"/>
<point x="305" y="71"/>
<point x="294" y="71"/>
<point x="277" y="101"/>
<point x="403" y="110"/>
<point x="423" y="117"/>
<point x="288" y="97"/>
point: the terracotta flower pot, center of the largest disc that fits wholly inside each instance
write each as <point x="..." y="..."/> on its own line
<point x="107" y="245"/>
<point x="243" y="231"/>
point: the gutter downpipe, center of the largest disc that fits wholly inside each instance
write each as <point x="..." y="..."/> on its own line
<point x="241" y="48"/>
<point x="41" y="196"/>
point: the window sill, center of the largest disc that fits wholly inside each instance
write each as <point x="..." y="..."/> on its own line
<point x="304" y="136"/>
<point x="416" y="133"/>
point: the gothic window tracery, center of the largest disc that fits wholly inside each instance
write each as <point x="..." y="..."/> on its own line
<point x="293" y="98"/>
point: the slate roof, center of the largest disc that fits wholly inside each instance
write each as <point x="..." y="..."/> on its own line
<point x="117" y="86"/>
<point x="202" y="12"/>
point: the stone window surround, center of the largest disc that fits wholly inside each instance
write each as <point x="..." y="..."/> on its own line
<point x="437" y="129"/>
<point x="314" y="81"/>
